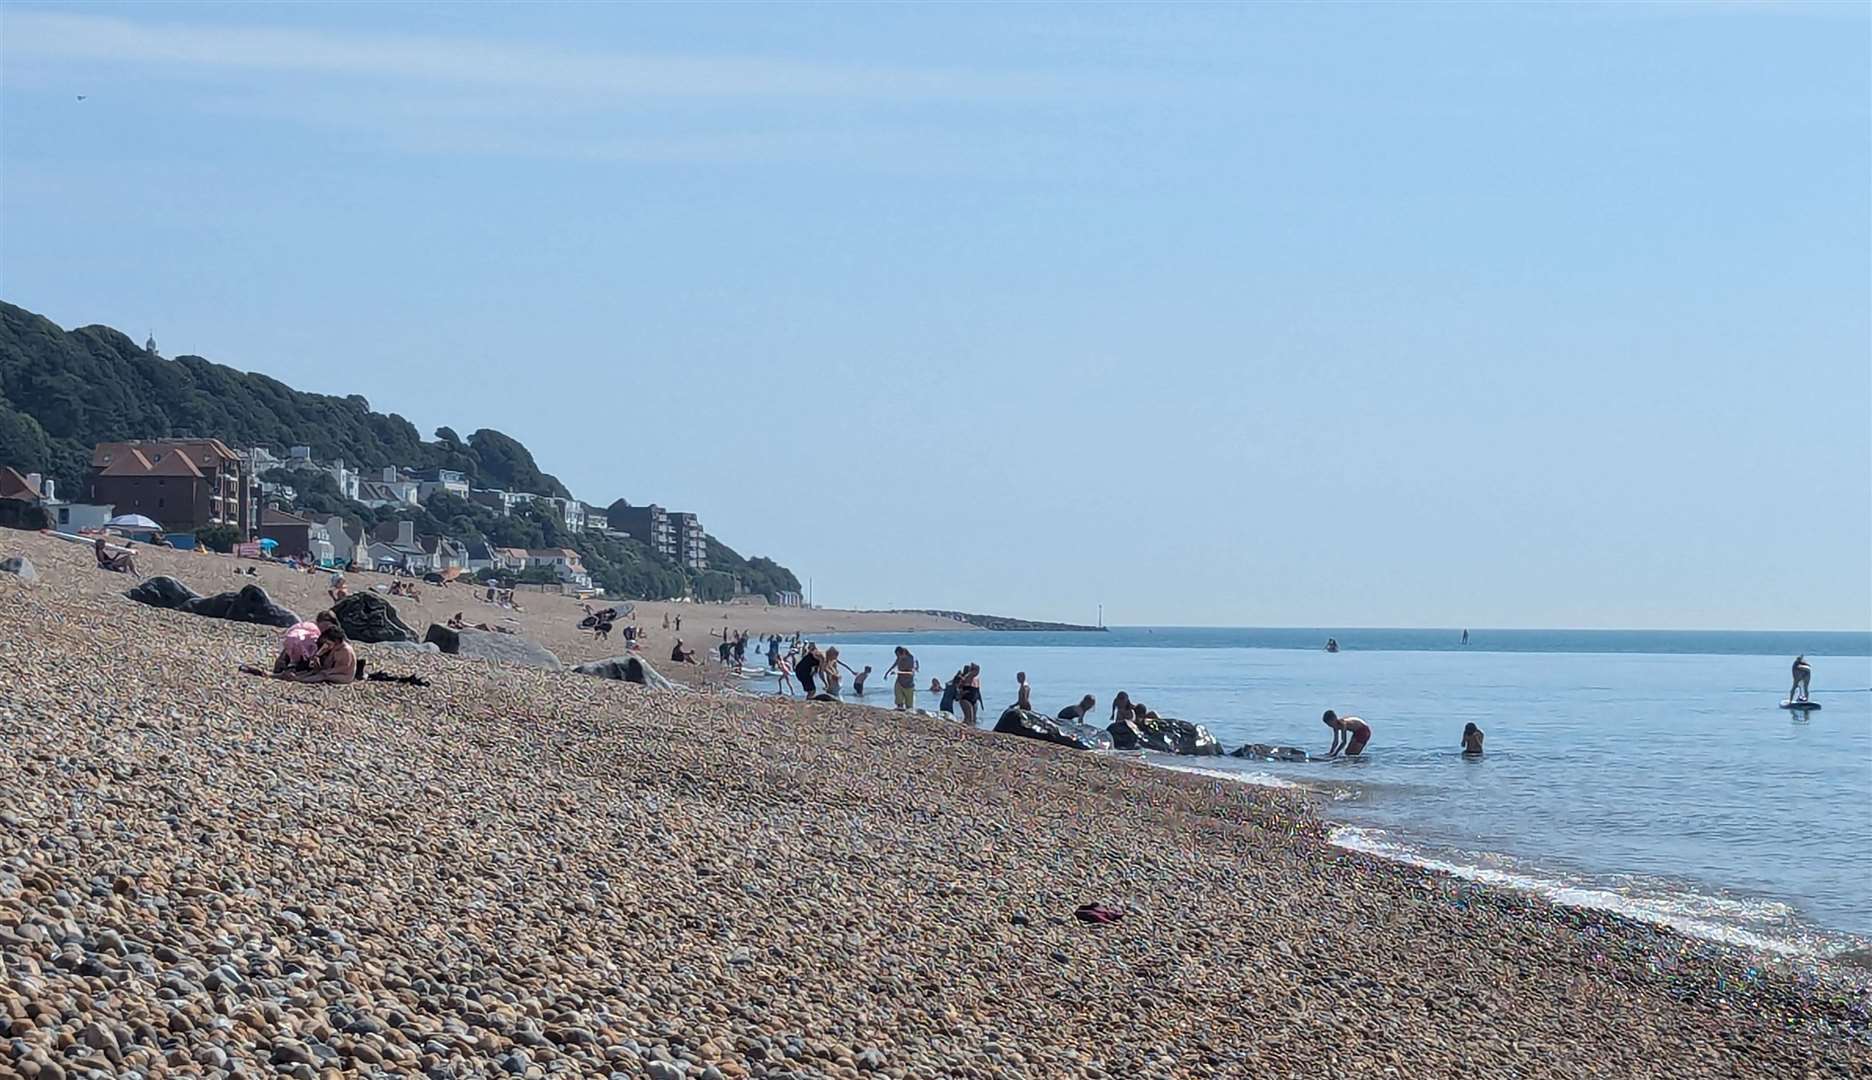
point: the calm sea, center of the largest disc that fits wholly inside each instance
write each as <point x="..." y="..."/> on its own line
<point x="1650" y="772"/>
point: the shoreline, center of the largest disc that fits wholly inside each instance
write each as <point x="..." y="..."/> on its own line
<point x="1852" y="963"/>
<point x="510" y="870"/>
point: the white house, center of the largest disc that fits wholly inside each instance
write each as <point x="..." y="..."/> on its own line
<point x="572" y="512"/>
<point x="563" y="561"/>
<point x="430" y="481"/>
<point x="75" y="517"/>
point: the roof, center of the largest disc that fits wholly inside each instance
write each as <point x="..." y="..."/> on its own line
<point x="273" y="515"/>
<point x="105" y="453"/>
<point x="152" y="461"/>
<point x="15" y="486"/>
<point x="563" y="553"/>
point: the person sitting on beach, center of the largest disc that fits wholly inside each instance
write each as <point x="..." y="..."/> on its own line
<point x="337" y="659"/>
<point x="299" y="645"/>
<point x="1471" y="740"/>
<point x="1023" y="692"/>
<point x="456" y="622"/>
<point x="681" y="655"/>
<point x="1350" y="734"/>
<point x="1803" y="674"/>
<point x="118" y="562"/>
<point x="1078" y="713"/>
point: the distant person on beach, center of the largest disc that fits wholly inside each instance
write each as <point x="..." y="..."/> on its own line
<point x="119" y="563"/>
<point x="666" y="620"/>
<point x="1350" y="734"/>
<point x="1078" y="713"/>
<point x="1465" y="637"/>
<point x="1023" y="692"/>
<point x="1803" y="674"/>
<point x="904" y="670"/>
<point x="1471" y="740"/>
<point x="681" y="655"/>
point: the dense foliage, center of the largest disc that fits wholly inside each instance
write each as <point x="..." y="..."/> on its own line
<point x="220" y="538"/>
<point x="63" y="392"/>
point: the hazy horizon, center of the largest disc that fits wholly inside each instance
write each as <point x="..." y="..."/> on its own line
<point x="1274" y="316"/>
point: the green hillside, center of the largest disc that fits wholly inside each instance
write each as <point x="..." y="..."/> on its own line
<point x="62" y="392"/>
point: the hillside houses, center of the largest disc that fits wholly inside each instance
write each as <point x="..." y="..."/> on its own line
<point x="188" y="485"/>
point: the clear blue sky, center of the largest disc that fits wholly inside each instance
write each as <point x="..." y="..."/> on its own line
<point x="1510" y="315"/>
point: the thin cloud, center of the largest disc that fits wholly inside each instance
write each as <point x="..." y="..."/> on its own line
<point x="461" y="61"/>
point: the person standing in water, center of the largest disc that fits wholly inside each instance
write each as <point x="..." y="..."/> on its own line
<point x="1465" y="637"/>
<point x="1803" y="674"/>
<point x="904" y="670"/>
<point x="1471" y="740"/>
<point x="1350" y="734"/>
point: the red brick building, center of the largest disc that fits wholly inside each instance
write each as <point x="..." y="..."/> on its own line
<point x="181" y="484"/>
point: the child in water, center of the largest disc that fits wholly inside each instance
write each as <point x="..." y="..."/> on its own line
<point x="1471" y="740"/>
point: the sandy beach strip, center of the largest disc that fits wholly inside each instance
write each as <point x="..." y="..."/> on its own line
<point x="511" y="872"/>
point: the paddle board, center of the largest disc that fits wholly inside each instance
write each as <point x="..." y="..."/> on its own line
<point x="1801" y="706"/>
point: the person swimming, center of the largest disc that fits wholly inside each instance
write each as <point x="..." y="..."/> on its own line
<point x="1471" y="740"/>
<point x="1803" y="675"/>
<point x="1350" y="734"/>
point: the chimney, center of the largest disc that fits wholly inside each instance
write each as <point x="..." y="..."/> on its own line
<point x="406" y="533"/>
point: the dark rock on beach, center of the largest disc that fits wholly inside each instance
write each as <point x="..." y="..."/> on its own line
<point x="1033" y="725"/>
<point x="631" y="669"/>
<point x="1166" y="735"/>
<point x="249" y="604"/>
<point x="162" y="592"/>
<point x="501" y="648"/>
<point x="370" y="618"/>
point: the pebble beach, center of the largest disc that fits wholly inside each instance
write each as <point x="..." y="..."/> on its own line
<point x="511" y="872"/>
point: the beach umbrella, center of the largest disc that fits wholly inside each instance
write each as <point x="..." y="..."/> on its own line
<point x="131" y="521"/>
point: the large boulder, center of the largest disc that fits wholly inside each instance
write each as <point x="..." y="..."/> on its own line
<point x="20" y="567"/>
<point x="1033" y="725"/>
<point x="1165" y="735"/>
<point x="249" y="604"/>
<point x="367" y="617"/>
<point x="486" y="645"/>
<point x="162" y="592"/>
<point x="631" y="669"/>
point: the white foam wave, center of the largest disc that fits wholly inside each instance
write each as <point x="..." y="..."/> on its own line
<point x="1258" y="779"/>
<point x="1714" y="918"/>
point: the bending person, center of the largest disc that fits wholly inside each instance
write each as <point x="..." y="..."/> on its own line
<point x="1350" y="734"/>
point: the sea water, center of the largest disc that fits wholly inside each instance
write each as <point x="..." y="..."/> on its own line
<point x="1651" y="773"/>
